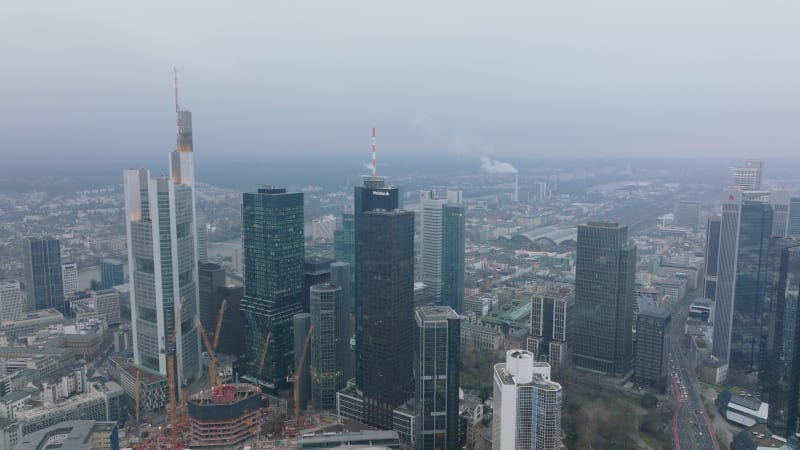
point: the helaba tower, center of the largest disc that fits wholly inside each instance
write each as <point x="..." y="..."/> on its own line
<point x="384" y="299"/>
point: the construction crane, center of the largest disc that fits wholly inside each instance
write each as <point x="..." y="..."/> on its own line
<point x="296" y="378"/>
<point x="173" y="388"/>
<point x="264" y="353"/>
<point x="218" y="329"/>
<point x="138" y="397"/>
<point x="212" y="363"/>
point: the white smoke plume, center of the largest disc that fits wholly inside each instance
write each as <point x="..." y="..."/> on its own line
<point x="493" y="166"/>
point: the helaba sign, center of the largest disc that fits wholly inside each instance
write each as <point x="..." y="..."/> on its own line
<point x="381" y="193"/>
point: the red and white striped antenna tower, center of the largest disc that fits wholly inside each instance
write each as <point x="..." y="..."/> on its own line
<point x="374" y="160"/>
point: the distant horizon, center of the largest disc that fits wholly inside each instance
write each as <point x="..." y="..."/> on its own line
<point x="520" y="80"/>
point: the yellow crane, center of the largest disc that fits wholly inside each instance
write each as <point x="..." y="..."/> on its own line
<point x="173" y="389"/>
<point x="296" y="378"/>
<point x="218" y="329"/>
<point x="212" y="363"/>
<point x="264" y="354"/>
<point x="138" y="397"/>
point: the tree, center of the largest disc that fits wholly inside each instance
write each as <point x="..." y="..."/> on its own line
<point x="648" y="401"/>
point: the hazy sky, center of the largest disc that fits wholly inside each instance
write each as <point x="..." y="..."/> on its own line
<point x="509" y="80"/>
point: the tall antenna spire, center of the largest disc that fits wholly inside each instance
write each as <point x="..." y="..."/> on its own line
<point x="374" y="160"/>
<point x="175" y="72"/>
<point x="177" y="108"/>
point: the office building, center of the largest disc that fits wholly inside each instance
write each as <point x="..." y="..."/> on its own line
<point x="437" y="362"/>
<point x="552" y="315"/>
<point x="273" y="246"/>
<point x="44" y="285"/>
<point x="780" y="201"/>
<point x="687" y="215"/>
<point x="160" y="225"/>
<point x="431" y="243"/>
<point x="330" y="343"/>
<point x="605" y="271"/>
<point x="211" y="279"/>
<point x="780" y="376"/>
<point x="316" y="270"/>
<point x="651" y="330"/>
<point x="202" y="238"/>
<point x="453" y="254"/>
<point x="341" y="274"/>
<point x="384" y="238"/>
<point x="794" y="217"/>
<point x="711" y="257"/>
<point x="527" y="405"/>
<point x="344" y="249"/>
<point x="231" y="336"/>
<point x="69" y="278"/>
<point x="740" y="312"/>
<point x="112" y="273"/>
<point x="11" y="307"/>
<point x="442" y="249"/>
<point x="748" y="177"/>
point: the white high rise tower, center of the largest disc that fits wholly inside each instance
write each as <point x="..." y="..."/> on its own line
<point x="527" y="405"/>
<point x="162" y="257"/>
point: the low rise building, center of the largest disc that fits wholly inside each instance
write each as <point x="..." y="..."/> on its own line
<point x="479" y="336"/>
<point x="73" y="435"/>
<point x="742" y="407"/>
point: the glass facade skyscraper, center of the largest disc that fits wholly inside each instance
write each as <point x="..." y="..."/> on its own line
<point x="273" y="250"/>
<point x="384" y="237"/>
<point x="112" y="273"/>
<point x="44" y="285"/>
<point x="742" y="316"/>
<point x="437" y="362"/>
<point x="329" y="343"/>
<point x="711" y="257"/>
<point x="604" y="288"/>
<point x="453" y="254"/>
<point x="780" y="375"/>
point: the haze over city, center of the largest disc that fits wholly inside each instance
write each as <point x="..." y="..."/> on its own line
<point x="524" y="80"/>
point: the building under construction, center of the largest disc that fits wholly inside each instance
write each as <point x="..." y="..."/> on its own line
<point x="224" y="415"/>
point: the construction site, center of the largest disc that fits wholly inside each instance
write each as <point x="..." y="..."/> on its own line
<point x="223" y="415"/>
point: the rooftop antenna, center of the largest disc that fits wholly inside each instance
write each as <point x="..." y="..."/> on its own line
<point x="374" y="160"/>
<point x="175" y="72"/>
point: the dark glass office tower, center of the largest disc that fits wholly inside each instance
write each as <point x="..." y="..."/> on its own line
<point x="794" y="217"/>
<point x="43" y="279"/>
<point x="384" y="301"/>
<point x="437" y="361"/>
<point x="211" y="278"/>
<point x="604" y="284"/>
<point x="742" y="316"/>
<point x="651" y="329"/>
<point x="712" y="257"/>
<point x="780" y="376"/>
<point x="273" y="246"/>
<point x="112" y="273"/>
<point x="316" y="270"/>
<point x="453" y="253"/>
